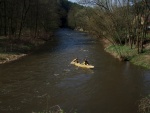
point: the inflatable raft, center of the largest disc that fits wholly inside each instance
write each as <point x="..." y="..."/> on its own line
<point x="82" y="65"/>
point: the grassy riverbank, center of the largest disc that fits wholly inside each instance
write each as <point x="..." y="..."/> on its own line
<point x="142" y="59"/>
<point x="13" y="49"/>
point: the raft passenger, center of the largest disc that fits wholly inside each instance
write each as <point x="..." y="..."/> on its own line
<point x="76" y="60"/>
<point x="86" y="62"/>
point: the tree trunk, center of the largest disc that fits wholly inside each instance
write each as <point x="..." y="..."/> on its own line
<point x="5" y="18"/>
<point x="37" y="14"/>
<point x="24" y="13"/>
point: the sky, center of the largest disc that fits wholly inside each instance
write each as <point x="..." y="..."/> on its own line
<point x="73" y="0"/>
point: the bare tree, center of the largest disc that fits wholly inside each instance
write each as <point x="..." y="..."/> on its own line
<point x="25" y="9"/>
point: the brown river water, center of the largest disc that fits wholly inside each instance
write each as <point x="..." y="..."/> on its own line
<point x="45" y="78"/>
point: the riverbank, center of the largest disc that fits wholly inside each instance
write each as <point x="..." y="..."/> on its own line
<point x="8" y="57"/>
<point x="142" y="59"/>
<point x="11" y="50"/>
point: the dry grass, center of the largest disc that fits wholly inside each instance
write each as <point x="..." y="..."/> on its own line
<point x="7" y="57"/>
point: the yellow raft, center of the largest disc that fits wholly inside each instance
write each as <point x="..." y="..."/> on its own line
<point x="82" y="65"/>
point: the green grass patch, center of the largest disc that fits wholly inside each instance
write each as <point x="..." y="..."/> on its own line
<point x="142" y="59"/>
<point x="124" y="51"/>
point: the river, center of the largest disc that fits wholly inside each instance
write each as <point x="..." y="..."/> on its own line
<point x="45" y="79"/>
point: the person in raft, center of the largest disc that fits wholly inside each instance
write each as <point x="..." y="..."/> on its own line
<point x="76" y="60"/>
<point x="86" y="62"/>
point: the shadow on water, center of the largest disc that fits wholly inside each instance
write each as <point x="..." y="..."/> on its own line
<point x="46" y="78"/>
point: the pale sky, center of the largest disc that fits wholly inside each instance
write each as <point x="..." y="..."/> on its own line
<point x="73" y="0"/>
